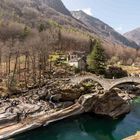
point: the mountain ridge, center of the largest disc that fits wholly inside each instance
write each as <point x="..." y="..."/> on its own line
<point x="57" y="5"/>
<point x="103" y="29"/>
<point x="34" y="12"/>
<point x="134" y="35"/>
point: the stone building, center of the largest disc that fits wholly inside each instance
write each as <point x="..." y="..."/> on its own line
<point x="77" y="61"/>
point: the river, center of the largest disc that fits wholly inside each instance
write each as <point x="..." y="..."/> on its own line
<point x="88" y="127"/>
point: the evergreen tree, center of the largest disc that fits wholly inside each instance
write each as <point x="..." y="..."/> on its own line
<point x="97" y="60"/>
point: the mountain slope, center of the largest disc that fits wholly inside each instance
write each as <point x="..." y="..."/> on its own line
<point x="34" y="12"/>
<point x="102" y="29"/>
<point x="134" y="35"/>
<point x="58" y="6"/>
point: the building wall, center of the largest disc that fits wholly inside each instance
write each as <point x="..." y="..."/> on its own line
<point x="74" y="64"/>
<point x="81" y="65"/>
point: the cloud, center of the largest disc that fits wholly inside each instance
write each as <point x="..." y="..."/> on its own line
<point x="88" y="11"/>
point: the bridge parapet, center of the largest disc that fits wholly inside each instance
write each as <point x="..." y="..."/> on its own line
<point x="124" y="80"/>
<point x="107" y="84"/>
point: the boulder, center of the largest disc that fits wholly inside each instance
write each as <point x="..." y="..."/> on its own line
<point x="64" y="105"/>
<point x="56" y="97"/>
<point x="67" y="104"/>
<point x="7" y="119"/>
<point x="71" y="92"/>
<point x="108" y="104"/>
<point x="70" y="96"/>
<point x="111" y="104"/>
<point x="87" y="101"/>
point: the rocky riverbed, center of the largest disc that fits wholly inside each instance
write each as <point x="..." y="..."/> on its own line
<point x="59" y="99"/>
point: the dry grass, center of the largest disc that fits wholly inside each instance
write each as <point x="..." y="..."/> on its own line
<point x="131" y="69"/>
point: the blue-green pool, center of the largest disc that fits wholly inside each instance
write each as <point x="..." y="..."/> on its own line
<point x="88" y="127"/>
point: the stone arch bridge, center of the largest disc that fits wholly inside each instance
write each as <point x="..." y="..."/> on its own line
<point x="107" y="84"/>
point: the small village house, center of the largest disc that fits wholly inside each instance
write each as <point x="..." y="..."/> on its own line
<point x="75" y="59"/>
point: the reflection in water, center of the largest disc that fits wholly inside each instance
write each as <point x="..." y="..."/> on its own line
<point x="88" y="127"/>
<point x="99" y="128"/>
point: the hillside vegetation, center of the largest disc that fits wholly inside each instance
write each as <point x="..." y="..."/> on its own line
<point x="30" y="30"/>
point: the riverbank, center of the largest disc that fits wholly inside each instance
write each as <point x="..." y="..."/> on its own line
<point x="58" y="99"/>
<point x="38" y="121"/>
<point x="85" y="103"/>
<point x="88" y="127"/>
<point x="134" y="137"/>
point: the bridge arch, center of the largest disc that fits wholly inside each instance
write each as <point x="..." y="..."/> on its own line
<point x="92" y="80"/>
<point x="123" y="81"/>
<point x="78" y="80"/>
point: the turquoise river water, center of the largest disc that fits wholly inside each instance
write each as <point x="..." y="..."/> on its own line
<point x="88" y="127"/>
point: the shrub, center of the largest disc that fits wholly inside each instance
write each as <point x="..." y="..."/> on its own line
<point x="115" y="72"/>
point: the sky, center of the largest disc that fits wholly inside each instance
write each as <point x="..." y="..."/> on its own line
<point x="122" y="15"/>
